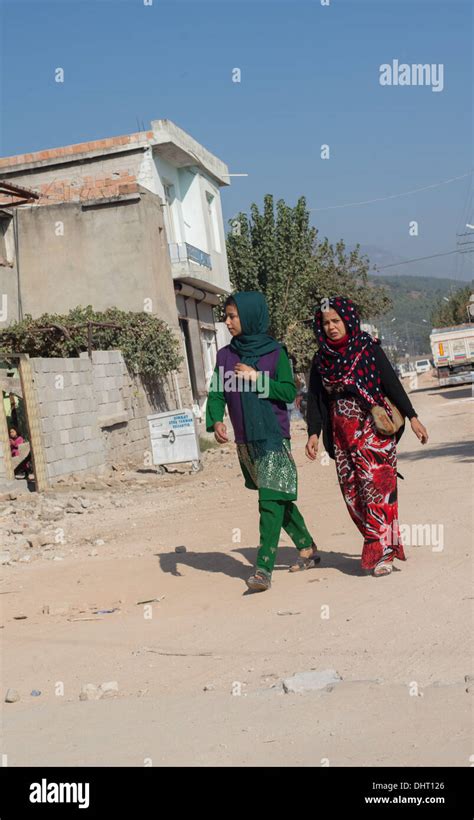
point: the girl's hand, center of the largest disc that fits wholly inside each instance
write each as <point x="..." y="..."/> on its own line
<point x="419" y="430"/>
<point x="246" y="372"/>
<point x="220" y="432"/>
<point x="311" y="449"/>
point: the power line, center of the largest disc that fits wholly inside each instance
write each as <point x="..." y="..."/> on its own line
<point x="458" y="266"/>
<point x="393" y="196"/>
<point x="420" y="258"/>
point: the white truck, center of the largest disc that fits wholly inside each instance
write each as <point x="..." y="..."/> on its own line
<point x="453" y="354"/>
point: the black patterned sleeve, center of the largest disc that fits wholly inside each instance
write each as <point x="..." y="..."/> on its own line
<point x="313" y="414"/>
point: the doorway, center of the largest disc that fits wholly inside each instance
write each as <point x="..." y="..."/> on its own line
<point x="15" y="433"/>
<point x="184" y="327"/>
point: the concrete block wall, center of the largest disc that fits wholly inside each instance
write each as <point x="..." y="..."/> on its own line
<point x="71" y="435"/>
<point x="109" y="377"/>
<point x="122" y="408"/>
<point x="93" y="412"/>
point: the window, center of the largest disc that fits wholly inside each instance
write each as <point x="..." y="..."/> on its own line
<point x="168" y="212"/>
<point x="6" y="241"/>
<point x="209" y="352"/>
<point x="183" y="324"/>
<point x="213" y="221"/>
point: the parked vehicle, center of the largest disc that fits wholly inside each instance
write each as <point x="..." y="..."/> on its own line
<point x="453" y="353"/>
<point x="423" y="366"/>
<point x="406" y="369"/>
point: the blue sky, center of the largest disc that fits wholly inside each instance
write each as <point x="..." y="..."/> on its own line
<point x="310" y="75"/>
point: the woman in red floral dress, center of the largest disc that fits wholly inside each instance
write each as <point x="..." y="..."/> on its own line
<point x="350" y="375"/>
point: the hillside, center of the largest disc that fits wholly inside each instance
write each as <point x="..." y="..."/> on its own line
<point x="414" y="298"/>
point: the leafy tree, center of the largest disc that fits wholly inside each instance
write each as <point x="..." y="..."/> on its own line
<point x="148" y="345"/>
<point x="277" y="251"/>
<point x="453" y="311"/>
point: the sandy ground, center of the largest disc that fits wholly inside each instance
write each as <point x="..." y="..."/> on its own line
<point x="401" y="643"/>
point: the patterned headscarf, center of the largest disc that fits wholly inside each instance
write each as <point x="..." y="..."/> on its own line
<point x="353" y="367"/>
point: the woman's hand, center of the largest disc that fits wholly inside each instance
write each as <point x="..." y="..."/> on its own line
<point x="311" y="449"/>
<point x="220" y="432"/>
<point x="419" y="430"/>
<point x="246" y="372"/>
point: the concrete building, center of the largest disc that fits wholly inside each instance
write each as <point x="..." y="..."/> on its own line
<point x="133" y="222"/>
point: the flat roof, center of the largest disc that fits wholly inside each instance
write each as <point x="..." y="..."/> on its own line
<point x="165" y="137"/>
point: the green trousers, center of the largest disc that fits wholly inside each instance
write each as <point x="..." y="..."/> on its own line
<point x="273" y="516"/>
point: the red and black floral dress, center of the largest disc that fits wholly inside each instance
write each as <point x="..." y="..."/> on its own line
<point x="366" y="465"/>
<point x="348" y="377"/>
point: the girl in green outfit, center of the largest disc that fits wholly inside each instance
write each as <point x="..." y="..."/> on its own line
<point x="253" y="377"/>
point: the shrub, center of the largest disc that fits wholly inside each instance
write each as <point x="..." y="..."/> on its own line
<point x="148" y="345"/>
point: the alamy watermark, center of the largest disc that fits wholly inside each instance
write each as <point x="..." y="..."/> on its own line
<point x="427" y="74"/>
<point x="414" y="535"/>
<point x="232" y="382"/>
<point x="52" y="792"/>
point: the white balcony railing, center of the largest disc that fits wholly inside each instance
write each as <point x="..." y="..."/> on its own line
<point x="184" y="252"/>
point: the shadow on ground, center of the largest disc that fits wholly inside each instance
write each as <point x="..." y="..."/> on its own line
<point x="452" y="393"/>
<point x="232" y="567"/>
<point x="460" y="450"/>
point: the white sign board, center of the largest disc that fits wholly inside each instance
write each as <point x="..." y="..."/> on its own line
<point x="174" y="437"/>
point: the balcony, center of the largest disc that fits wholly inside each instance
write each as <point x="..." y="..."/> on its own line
<point x="196" y="267"/>
<point x="181" y="253"/>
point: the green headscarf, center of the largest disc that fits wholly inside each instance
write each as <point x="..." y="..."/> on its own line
<point x="261" y="425"/>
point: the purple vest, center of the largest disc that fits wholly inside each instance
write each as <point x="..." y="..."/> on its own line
<point x="227" y="359"/>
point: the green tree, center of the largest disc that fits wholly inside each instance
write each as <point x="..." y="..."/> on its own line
<point x="277" y="251"/>
<point x="454" y="310"/>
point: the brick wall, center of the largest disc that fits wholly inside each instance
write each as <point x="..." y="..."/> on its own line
<point x="92" y="179"/>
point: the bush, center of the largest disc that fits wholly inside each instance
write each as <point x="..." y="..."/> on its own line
<point x="148" y="345"/>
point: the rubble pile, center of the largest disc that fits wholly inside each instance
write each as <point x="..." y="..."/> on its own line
<point x="36" y="525"/>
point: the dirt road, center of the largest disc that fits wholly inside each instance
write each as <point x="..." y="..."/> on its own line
<point x="401" y="643"/>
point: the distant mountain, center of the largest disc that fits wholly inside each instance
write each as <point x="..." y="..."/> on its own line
<point x="436" y="286"/>
<point x="460" y="265"/>
<point x="408" y="324"/>
<point x="380" y="257"/>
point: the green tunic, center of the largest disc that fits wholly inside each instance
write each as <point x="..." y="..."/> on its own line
<point x="274" y="474"/>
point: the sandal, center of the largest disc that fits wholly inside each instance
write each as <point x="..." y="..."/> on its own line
<point x="310" y="562"/>
<point x="259" y="582"/>
<point x="382" y="568"/>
